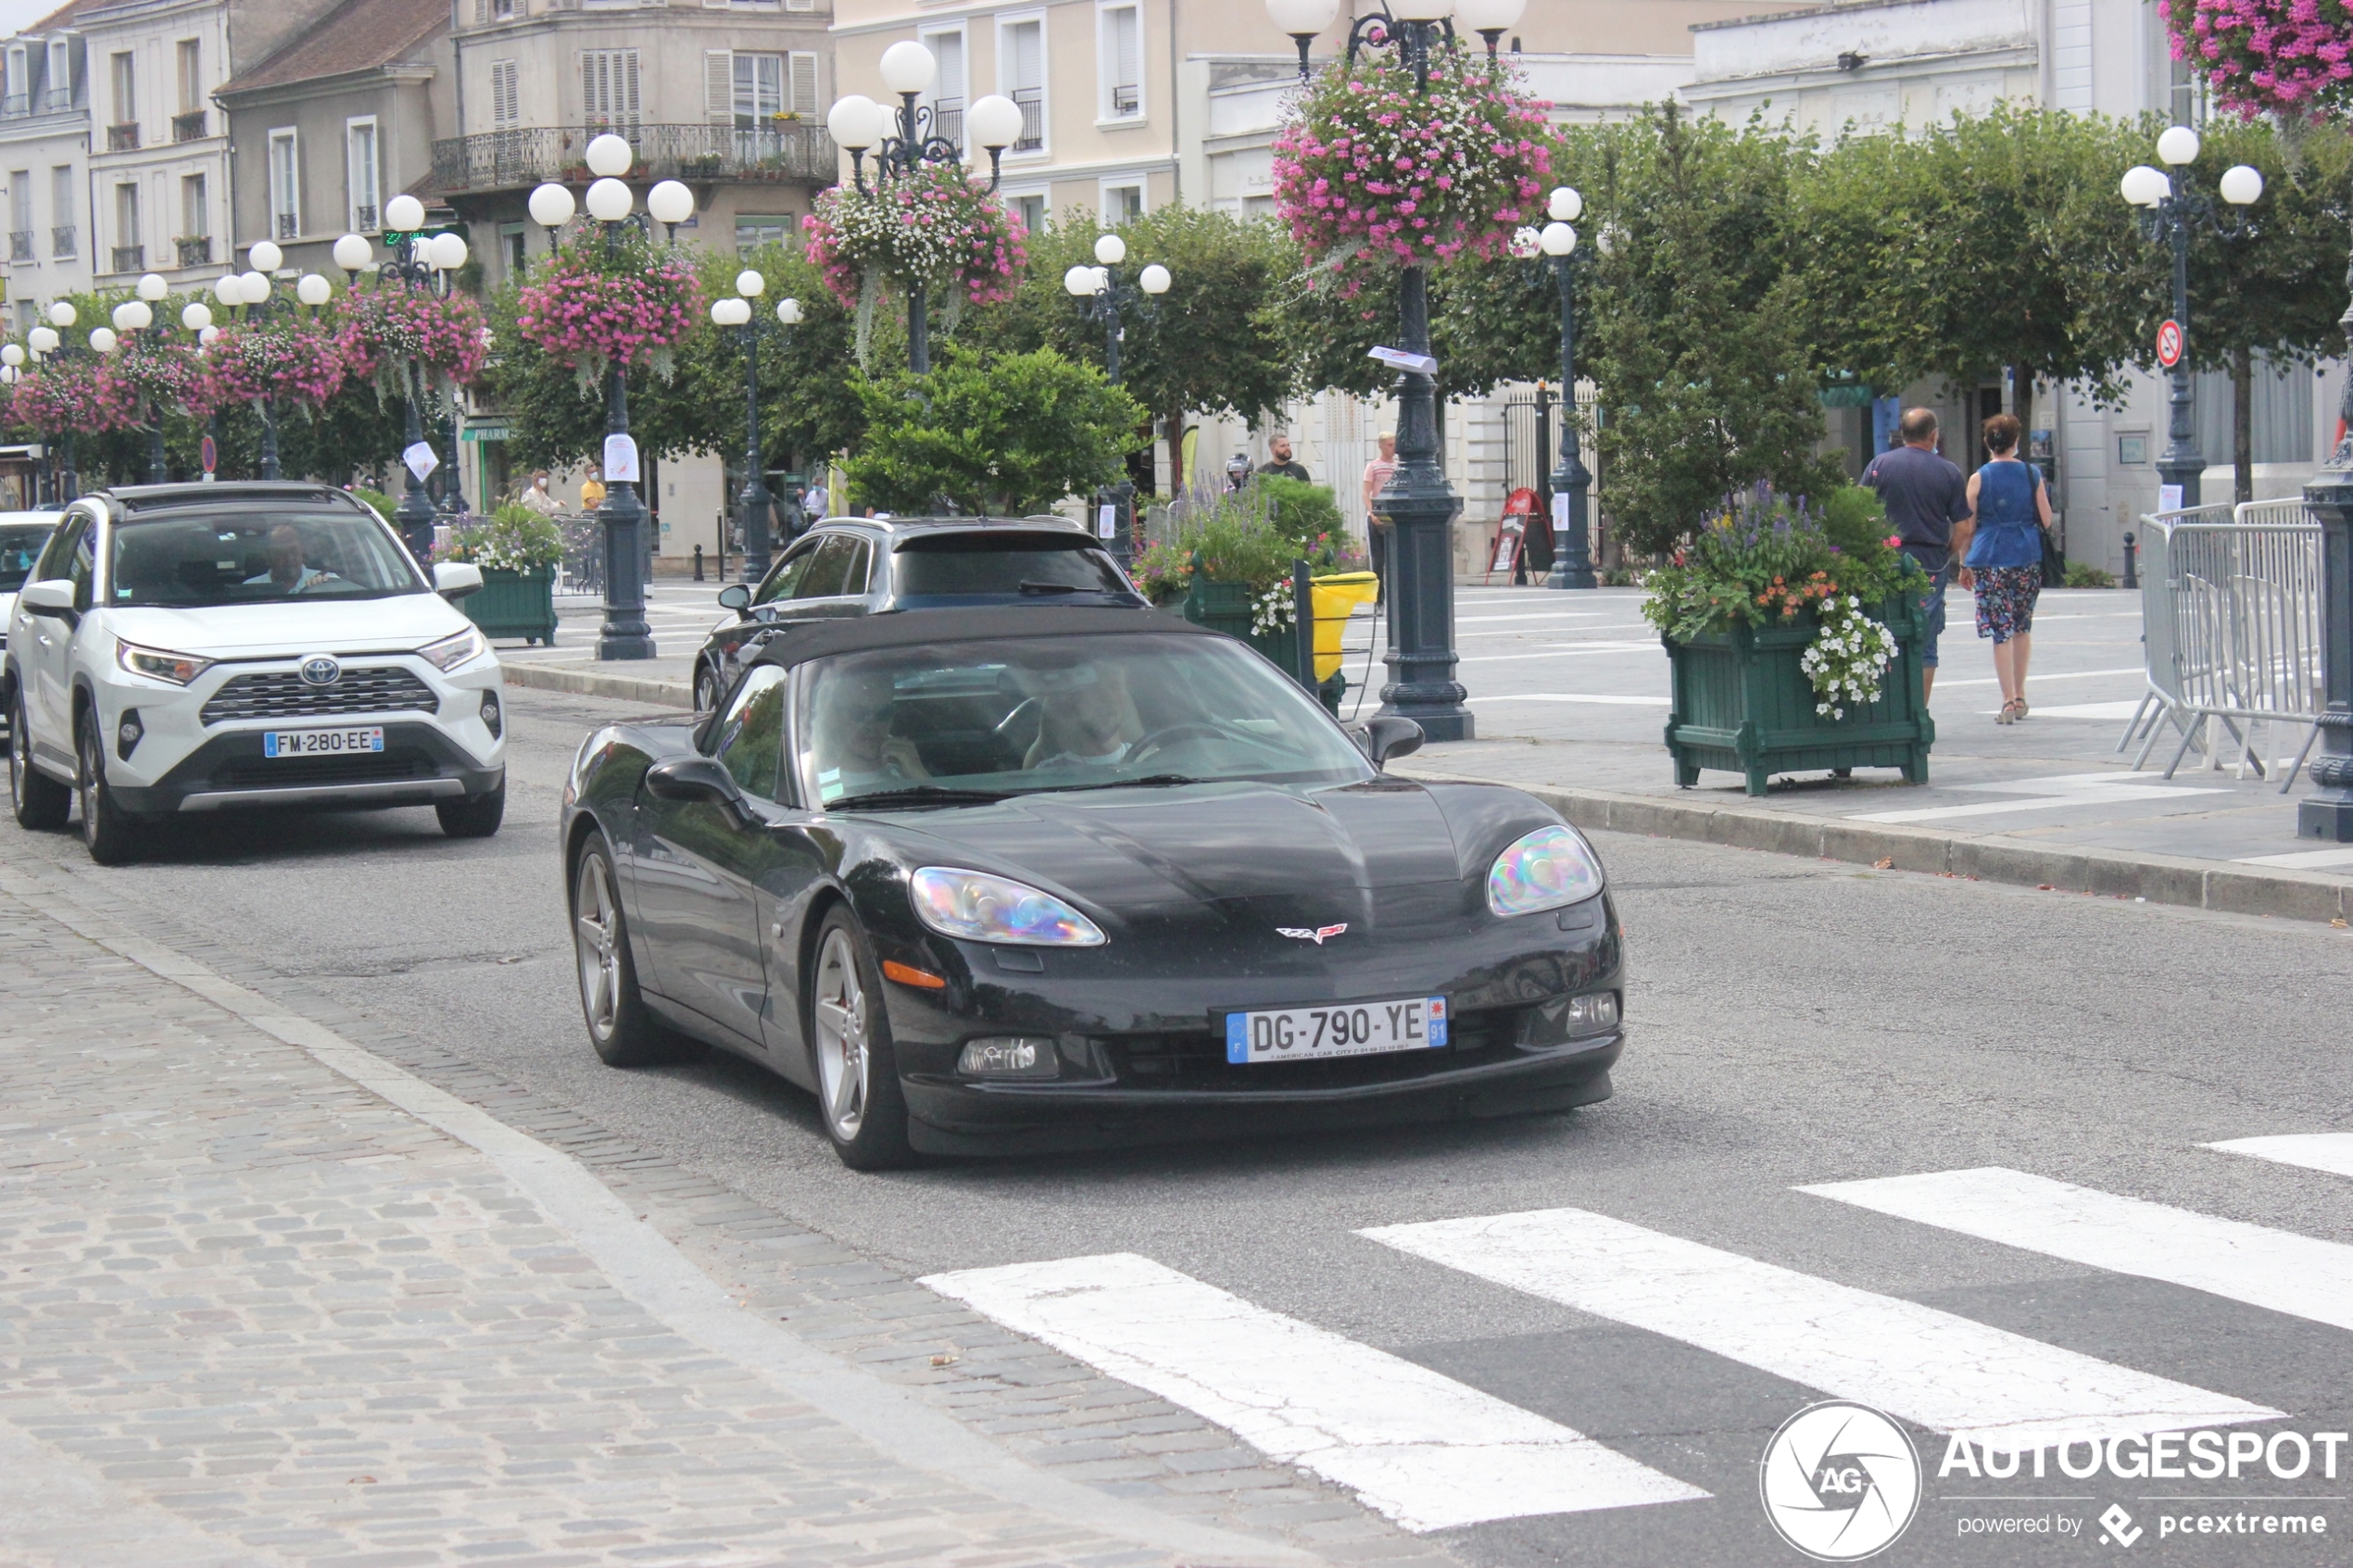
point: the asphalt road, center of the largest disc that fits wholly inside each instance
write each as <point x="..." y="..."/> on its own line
<point x="1793" y="1023"/>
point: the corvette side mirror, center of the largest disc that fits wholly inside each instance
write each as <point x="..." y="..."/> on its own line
<point x="693" y="779"/>
<point x="735" y="597"/>
<point x="1392" y="736"/>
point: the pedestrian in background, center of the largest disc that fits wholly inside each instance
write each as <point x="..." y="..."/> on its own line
<point x="592" y="489"/>
<point x="1926" y="497"/>
<point x="541" y="499"/>
<point x="813" y="505"/>
<point x="1280" y="460"/>
<point x="1378" y="474"/>
<point x="2001" y="550"/>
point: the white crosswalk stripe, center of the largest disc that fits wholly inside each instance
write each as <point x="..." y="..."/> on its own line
<point x="2315" y="1151"/>
<point x="2296" y="1274"/>
<point x="1947" y="1372"/>
<point x="1426" y="1451"/>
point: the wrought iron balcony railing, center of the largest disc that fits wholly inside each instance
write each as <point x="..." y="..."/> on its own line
<point x="123" y="138"/>
<point x="194" y="250"/>
<point x="288" y="227"/>
<point x="1032" y="103"/>
<point x="16" y="104"/>
<point x="189" y="127"/>
<point x="61" y="240"/>
<point x="363" y="220"/>
<point x="1126" y="98"/>
<point x="20" y="244"/>
<point x="130" y="259"/>
<point x="796" y="152"/>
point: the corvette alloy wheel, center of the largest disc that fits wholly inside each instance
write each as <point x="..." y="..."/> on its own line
<point x="843" y="1053"/>
<point x="597" y="928"/>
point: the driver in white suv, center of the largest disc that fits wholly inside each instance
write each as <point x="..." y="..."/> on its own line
<point x="201" y="647"/>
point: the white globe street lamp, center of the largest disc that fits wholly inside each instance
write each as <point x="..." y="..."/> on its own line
<point x="404" y="214"/>
<point x="609" y="156"/>
<point x="265" y="256"/>
<point x="352" y="253"/>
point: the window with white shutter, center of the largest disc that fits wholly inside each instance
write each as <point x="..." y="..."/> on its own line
<point x="947" y="97"/>
<point x="362" y="173"/>
<point x="1021" y="57"/>
<point x="759" y="90"/>
<point x="719" y="86"/>
<point x="1119" y="42"/>
<point x="609" y="89"/>
<point x="506" y="99"/>
<point x="801" y="82"/>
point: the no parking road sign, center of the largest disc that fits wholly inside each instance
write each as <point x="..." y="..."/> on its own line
<point x="2169" y="343"/>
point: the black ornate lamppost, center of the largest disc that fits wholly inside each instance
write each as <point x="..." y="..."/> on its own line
<point x="2173" y="208"/>
<point x="2327" y="813"/>
<point x="1105" y="297"/>
<point x="1572" y="481"/>
<point x="419" y="261"/>
<point x="611" y="203"/>
<point x="857" y="123"/>
<point x="252" y="290"/>
<point x="48" y="341"/>
<point x="132" y="318"/>
<point x="1421" y="507"/>
<point x="754" y="500"/>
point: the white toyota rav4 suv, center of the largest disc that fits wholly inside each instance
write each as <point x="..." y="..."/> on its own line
<point x="203" y="648"/>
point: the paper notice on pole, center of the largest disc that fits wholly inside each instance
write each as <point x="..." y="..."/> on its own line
<point x="2168" y="497"/>
<point x="421" y="459"/>
<point x="621" y="459"/>
<point x="1560" y="514"/>
<point x="1106" y="522"/>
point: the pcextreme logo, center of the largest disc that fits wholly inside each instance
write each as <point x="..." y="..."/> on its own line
<point x="1839" y="1481"/>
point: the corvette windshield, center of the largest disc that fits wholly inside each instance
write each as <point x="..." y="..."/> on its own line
<point x="955" y="721"/>
<point x="189" y="561"/>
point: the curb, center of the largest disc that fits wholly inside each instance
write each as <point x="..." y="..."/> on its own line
<point x="585" y="682"/>
<point x="2108" y="873"/>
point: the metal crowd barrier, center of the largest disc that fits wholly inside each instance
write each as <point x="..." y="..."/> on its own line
<point x="2231" y="624"/>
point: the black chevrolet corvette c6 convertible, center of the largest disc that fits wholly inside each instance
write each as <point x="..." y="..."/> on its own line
<point x="992" y="880"/>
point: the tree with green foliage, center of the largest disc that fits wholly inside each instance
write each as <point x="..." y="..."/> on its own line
<point x="2270" y="287"/>
<point x="996" y="434"/>
<point x="1213" y="344"/>
<point x="1694" y="326"/>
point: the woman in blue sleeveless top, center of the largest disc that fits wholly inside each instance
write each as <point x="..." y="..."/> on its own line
<point x="2002" y="556"/>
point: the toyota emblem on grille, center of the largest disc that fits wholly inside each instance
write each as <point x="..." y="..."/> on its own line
<point x="1317" y="936"/>
<point x="321" y="671"/>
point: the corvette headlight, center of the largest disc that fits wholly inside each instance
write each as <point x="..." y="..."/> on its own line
<point x="450" y="652"/>
<point x="1544" y="871"/>
<point x="159" y="665"/>
<point x="976" y="907"/>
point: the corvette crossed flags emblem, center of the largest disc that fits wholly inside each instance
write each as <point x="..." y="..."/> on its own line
<point x="1302" y="933"/>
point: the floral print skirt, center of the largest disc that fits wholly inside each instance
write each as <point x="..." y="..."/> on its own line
<point x="2006" y="597"/>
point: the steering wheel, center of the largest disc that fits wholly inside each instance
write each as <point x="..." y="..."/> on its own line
<point x="1168" y="734"/>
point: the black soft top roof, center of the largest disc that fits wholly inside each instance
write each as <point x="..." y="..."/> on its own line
<point x="798" y="642"/>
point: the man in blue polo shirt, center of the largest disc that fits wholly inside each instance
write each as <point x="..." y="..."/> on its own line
<point x="1926" y="497"/>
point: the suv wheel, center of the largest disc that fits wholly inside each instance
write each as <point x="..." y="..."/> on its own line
<point x="109" y="832"/>
<point x="41" y="801"/>
<point x="476" y="817"/>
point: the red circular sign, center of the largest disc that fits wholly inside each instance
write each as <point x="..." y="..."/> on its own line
<point x="2169" y="343"/>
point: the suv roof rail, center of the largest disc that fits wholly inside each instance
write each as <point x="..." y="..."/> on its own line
<point x="160" y="497"/>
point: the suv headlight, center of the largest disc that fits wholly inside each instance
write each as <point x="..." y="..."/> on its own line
<point x="159" y="665"/>
<point x="1544" y="871"/>
<point x="976" y="907"/>
<point x="450" y="652"/>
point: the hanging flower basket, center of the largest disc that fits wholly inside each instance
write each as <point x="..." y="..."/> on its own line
<point x="932" y="227"/>
<point x="384" y="328"/>
<point x="2289" y="58"/>
<point x="150" y="377"/>
<point x="1371" y="171"/>
<point x="71" y="397"/>
<point x="594" y="304"/>
<point x="293" y="359"/>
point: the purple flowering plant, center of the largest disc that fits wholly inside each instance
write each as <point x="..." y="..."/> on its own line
<point x="593" y="303"/>
<point x="2288" y="57"/>
<point x="932" y="227"/>
<point x="384" y="328"/>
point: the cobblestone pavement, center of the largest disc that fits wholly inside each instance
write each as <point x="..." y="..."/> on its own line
<point x="266" y="1297"/>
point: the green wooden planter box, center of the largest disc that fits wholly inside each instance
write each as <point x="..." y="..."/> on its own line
<point x="1225" y="607"/>
<point x="515" y="604"/>
<point x="1741" y="703"/>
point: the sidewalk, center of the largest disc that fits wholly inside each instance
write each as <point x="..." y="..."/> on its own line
<point x="271" y="1298"/>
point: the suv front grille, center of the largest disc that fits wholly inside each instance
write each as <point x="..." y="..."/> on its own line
<point x="289" y="772"/>
<point x="376" y="688"/>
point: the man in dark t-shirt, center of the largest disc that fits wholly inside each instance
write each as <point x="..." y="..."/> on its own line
<point x="1926" y="497"/>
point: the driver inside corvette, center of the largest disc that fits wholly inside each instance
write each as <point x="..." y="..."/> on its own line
<point x="854" y="709"/>
<point x="1089" y="720"/>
